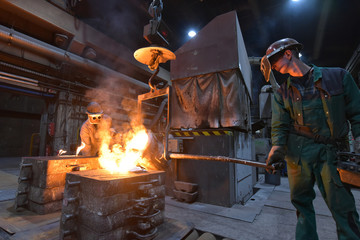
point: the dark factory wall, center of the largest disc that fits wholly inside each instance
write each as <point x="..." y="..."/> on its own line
<point x="19" y="121"/>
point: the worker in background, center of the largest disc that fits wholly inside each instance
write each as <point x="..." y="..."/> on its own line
<point x="95" y="129"/>
<point x="310" y="114"/>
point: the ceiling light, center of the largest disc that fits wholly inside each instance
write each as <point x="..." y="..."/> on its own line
<point x="192" y="33"/>
<point x="295" y="0"/>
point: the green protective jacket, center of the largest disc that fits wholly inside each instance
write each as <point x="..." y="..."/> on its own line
<point x="338" y="106"/>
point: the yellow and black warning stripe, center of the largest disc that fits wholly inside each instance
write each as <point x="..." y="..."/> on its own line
<point x="201" y="133"/>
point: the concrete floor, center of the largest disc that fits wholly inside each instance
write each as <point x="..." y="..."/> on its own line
<point x="267" y="215"/>
<point x="275" y="217"/>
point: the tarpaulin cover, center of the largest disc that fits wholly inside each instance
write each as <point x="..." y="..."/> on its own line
<point x="217" y="47"/>
<point x="211" y="100"/>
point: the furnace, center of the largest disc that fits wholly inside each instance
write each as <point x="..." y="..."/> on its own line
<point x="210" y="111"/>
<point x="99" y="204"/>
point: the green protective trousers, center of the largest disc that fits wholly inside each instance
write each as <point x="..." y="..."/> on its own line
<point x="319" y="165"/>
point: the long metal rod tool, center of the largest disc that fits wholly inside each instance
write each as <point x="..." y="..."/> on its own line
<point x="221" y="159"/>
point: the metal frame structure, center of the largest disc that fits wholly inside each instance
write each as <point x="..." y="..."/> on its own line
<point x="155" y="93"/>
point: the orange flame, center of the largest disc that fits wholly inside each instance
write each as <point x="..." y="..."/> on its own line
<point x="124" y="158"/>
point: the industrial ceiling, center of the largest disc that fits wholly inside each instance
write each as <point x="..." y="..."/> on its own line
<point x="327" y="29"/>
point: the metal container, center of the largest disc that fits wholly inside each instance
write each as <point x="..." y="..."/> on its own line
<point x="42" y="180"/>
<point x="99" y="204"/>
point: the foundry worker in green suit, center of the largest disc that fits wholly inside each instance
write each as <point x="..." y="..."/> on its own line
<point x="311" y="112"/>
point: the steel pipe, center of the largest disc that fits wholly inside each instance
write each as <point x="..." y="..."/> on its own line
<point x="220" y="159"/>
<point x="12" y="37"/>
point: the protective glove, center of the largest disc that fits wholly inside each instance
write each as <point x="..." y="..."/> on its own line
<point x="276" y="158"/>
<point x="357" y="145"/>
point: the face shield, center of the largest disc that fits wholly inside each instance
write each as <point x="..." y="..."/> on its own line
<point x="265" y="67"/>
<point x="274" y="53"/>
<point x="95" y="118"/>
<point x="268" y="61"/>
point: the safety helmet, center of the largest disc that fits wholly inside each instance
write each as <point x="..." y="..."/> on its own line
<point x="285" y="43"/>
<point x="274" y="49"/>
<point x="94" y="108"/>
